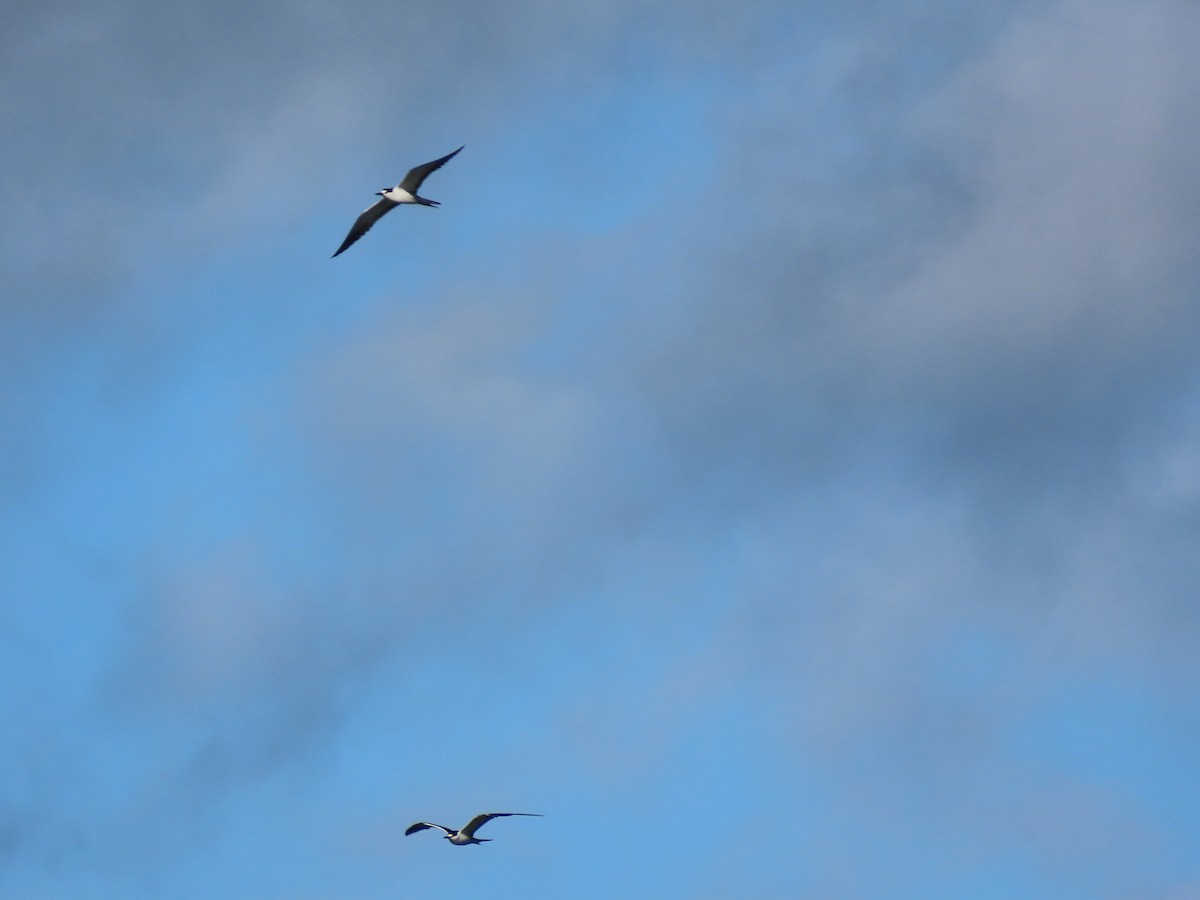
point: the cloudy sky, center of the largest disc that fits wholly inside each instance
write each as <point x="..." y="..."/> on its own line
<point x="778" y="461"/>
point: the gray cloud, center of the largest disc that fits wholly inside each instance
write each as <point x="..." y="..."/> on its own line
<point x="928" y="374"/>
<point x="1004" y="351"/>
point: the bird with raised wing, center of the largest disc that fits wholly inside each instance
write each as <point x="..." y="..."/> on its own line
<point x="467" y="834"/>
<point x="390" y="198"/>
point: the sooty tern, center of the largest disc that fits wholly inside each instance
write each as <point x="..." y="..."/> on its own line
<point x="467" y="835"/>
<point x="390" y="198"/>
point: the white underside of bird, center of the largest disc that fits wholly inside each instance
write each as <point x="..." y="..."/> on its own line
<point x="398" y="195"/>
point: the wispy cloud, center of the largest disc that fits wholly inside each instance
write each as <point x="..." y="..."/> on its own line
<point x="872" y="432"/>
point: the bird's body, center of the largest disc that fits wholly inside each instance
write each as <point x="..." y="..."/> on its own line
<point x="390" y="198"/>
<point x="461" y="840"/>
<point x="398" y="195"/>
<point x="467" y="834"/>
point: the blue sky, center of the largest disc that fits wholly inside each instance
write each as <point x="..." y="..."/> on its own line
<point x="777" y="462"/>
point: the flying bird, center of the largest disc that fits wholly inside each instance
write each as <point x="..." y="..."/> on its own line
<point x="390" y="198"/>
<point x="467" y="835"/>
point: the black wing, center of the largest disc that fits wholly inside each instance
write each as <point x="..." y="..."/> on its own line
<point x="483" y="818"/>
<point x="418" y="174"/>
<point x="364" y="222"/>
<point x="421" y="826"/>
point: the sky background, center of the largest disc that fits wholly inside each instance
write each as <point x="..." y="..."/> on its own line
<point x="778" y="461"/>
